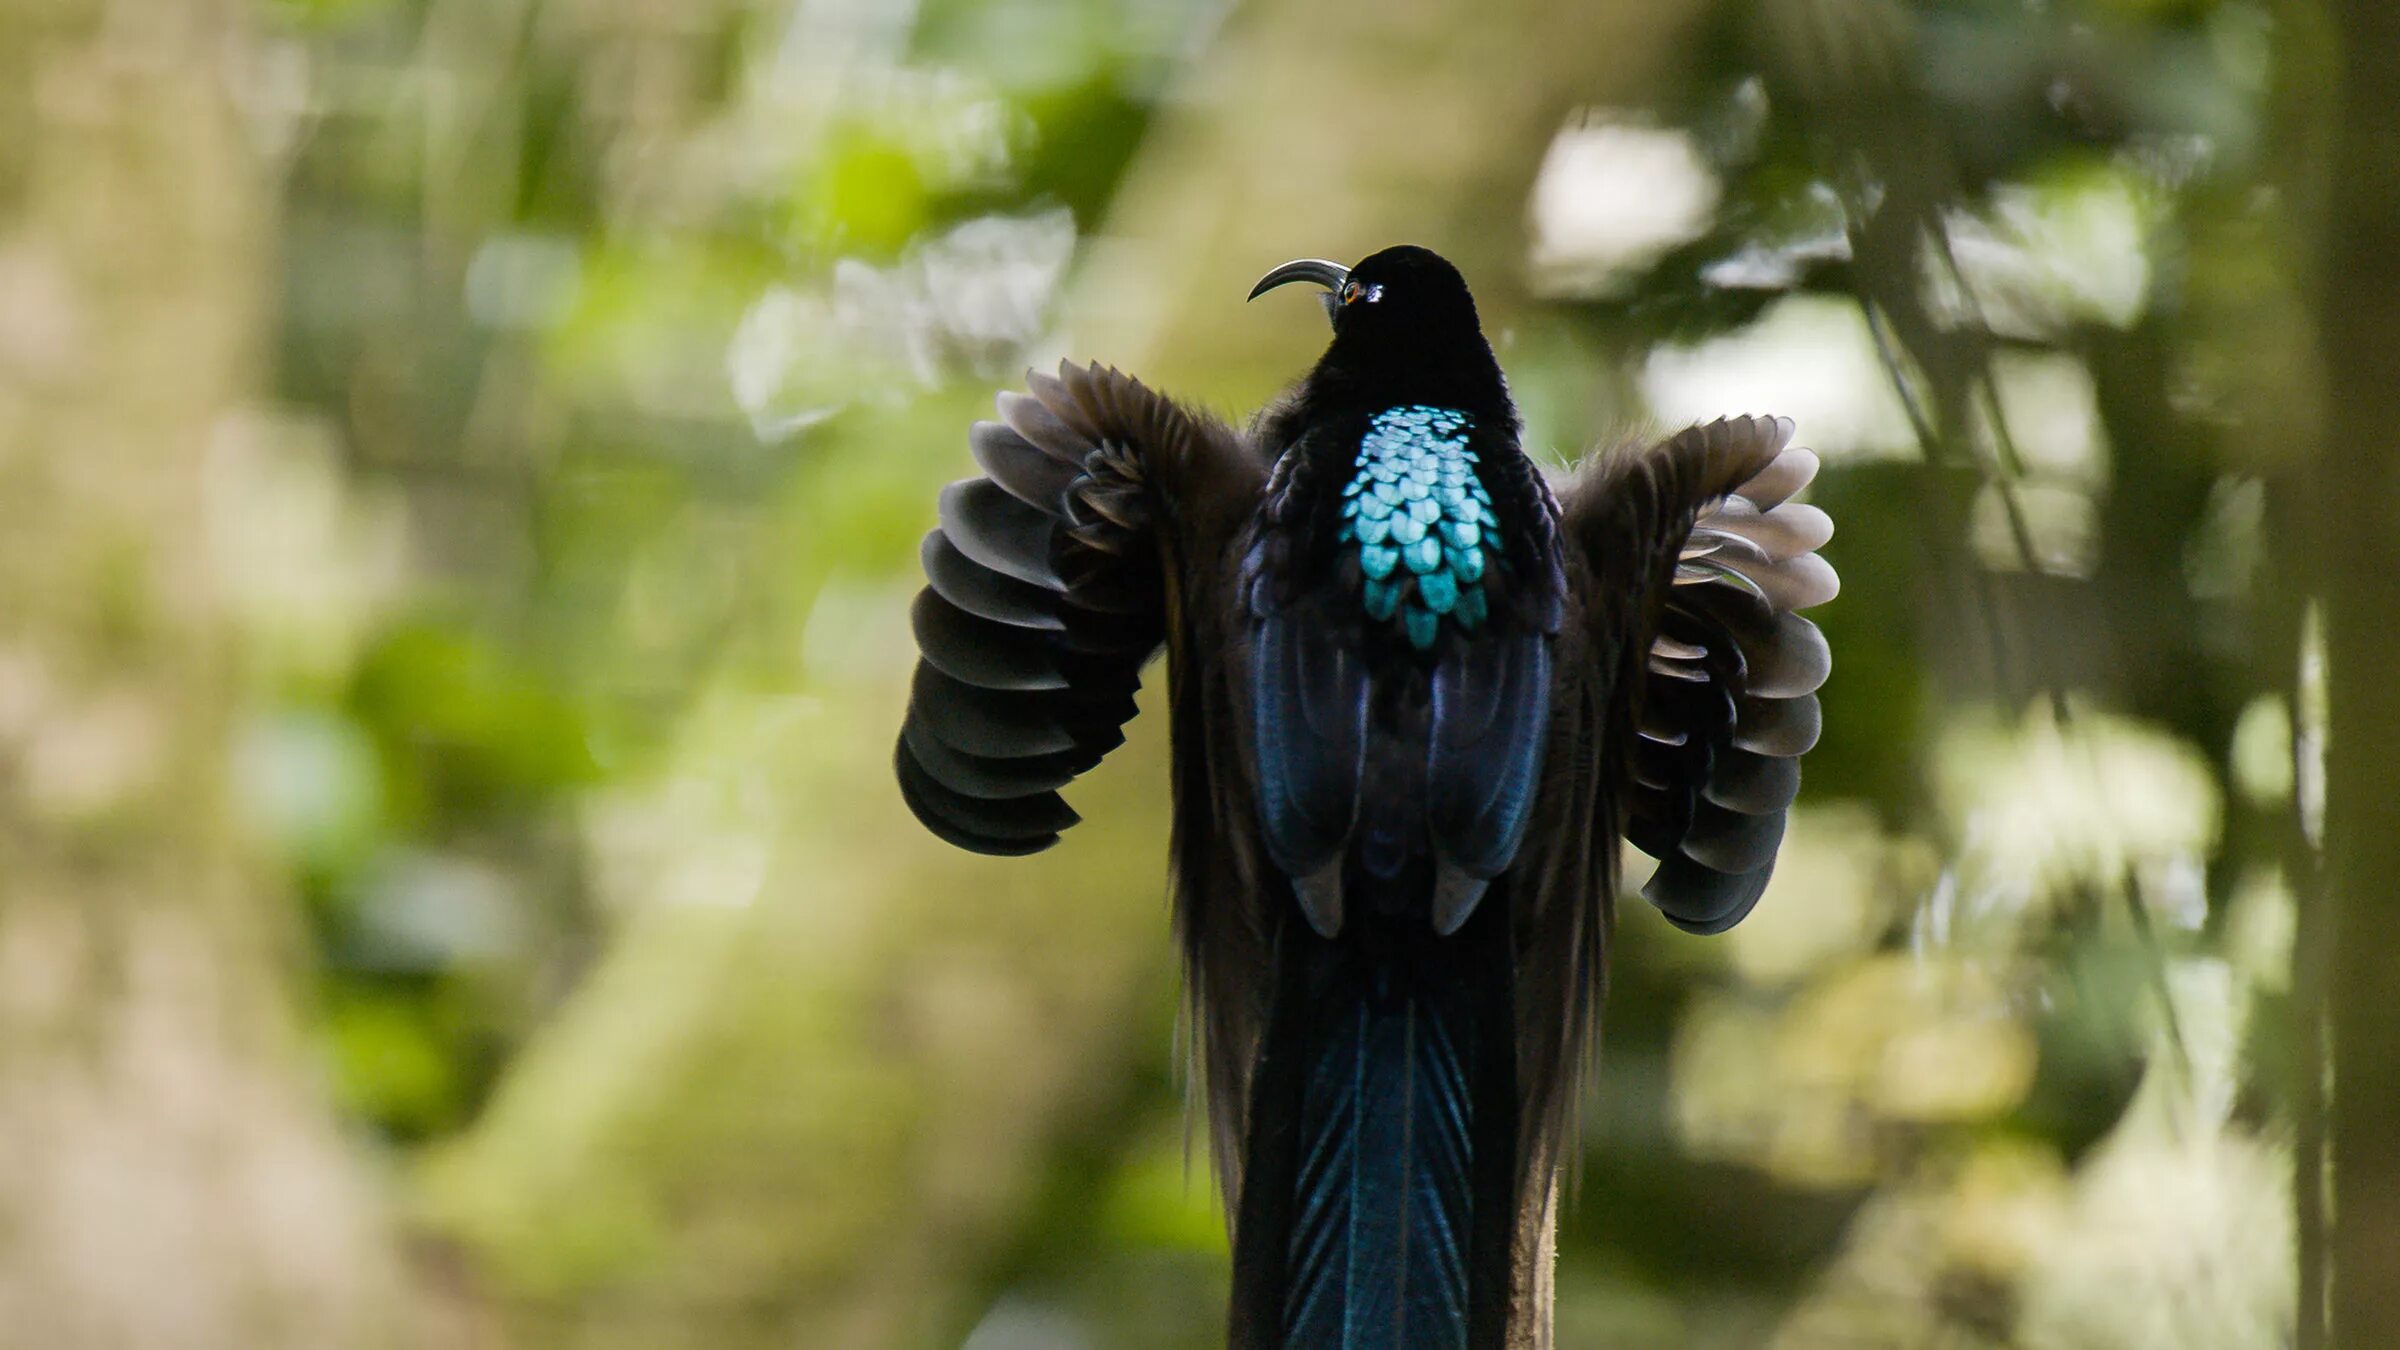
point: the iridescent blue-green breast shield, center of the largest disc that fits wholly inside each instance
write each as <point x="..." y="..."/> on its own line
<point x="1419" y="520"/>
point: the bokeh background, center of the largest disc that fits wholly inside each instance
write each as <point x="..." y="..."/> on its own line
<point x="461" y="467"/>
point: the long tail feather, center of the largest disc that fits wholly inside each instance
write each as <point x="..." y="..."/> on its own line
<point x="1380" y="1192"/>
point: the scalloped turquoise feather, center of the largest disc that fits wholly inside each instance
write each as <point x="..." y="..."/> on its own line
<point x="1419" y="520"/>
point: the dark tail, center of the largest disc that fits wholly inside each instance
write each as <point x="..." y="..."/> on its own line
<point x="1379" y="1182"/>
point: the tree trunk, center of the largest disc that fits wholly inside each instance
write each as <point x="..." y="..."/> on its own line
<point x="168" y="1174"/>
<point x="2358" y="531"/>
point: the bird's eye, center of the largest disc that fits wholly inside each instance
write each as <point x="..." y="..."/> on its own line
<point x="1349" y="292"/>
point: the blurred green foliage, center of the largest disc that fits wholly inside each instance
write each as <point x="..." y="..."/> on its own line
<point x="639" y="337"/>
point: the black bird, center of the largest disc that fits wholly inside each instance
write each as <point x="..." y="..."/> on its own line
<point x="1416" y="697"/>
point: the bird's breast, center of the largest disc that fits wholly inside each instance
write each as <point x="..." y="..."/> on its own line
<point x="1421" y="523"/>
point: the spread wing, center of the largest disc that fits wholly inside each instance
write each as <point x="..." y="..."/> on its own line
<point x="1099" y="533"/>
<point x="1052" y="579"/>
<point x="1685" y="696"/>
<point x="1700" y="563"/>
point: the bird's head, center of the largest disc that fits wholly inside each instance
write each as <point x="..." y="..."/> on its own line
<point x="1404" y="312"/>
<point x="1402" y="288"/>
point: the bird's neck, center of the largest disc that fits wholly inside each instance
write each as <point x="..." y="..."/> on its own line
<point x="1365" y="376"/>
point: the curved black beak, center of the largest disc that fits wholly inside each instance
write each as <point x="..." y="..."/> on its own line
<point x="1329" y="275"/>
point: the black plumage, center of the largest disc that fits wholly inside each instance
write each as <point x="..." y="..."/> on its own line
<point x="1415" y="698"/>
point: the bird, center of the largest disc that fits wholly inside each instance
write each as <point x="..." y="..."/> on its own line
<point x="1417" y="693"/>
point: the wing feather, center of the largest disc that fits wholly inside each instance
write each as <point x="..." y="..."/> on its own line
<point x="997" y="530"/>
<point x="982" y="652"/>
<point x="983" y="721"/>
<point x="1698" y="564"/>
<point x="982" y="776"/>
<point x="1094" y="538"/>
<point x="1039" y="481"/>
<point x="1048" y="589"/>
<point x="979" y="590"/>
